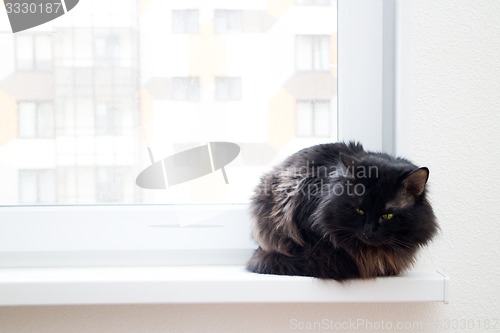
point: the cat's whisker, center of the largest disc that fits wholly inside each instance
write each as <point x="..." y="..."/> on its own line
<point x="402" y="244"/>
<point x="319" y="241"/>
<point x="404" y="240"/>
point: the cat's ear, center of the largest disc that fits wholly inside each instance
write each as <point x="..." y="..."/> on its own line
<point x="350" y="162"/>
<point x="414" y="182"/>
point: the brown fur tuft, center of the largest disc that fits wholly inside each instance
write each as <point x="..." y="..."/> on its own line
<point x="380" y="261"/>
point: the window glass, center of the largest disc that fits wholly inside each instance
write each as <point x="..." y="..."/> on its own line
<point x="43" y="52"/>
<point x="26" y="112"/>
<point x="35" y="120"/>
<point x="185" y="21"/>
<point x="37" y="186"/>
<point x="201" y="97"/>
<point x="82" y="47"/>
<point x="28" y="186"/>
<point x="304" y="118"/>
<point x="108" y="119"/>
<point x="228" y="88"/>
<point x="186" y="89"/>
<point x="322" y="118"/>
<point x="314" y="118"/>
<point x="24" y="52"/>
<point x="45" y="186"/>
<point x="227" y="21"/>
<point x="45" y="120"/>
<point x="312" y="53"/>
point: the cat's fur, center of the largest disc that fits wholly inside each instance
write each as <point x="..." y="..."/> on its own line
<point x="307" y="222"/>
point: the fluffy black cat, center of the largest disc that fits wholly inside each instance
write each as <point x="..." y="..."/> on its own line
<point x="336" y="211"/>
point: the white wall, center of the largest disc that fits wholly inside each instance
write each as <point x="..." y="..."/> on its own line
<point x="455" y="132"/>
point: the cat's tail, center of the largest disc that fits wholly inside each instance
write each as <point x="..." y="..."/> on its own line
<point x="337" y="265"/>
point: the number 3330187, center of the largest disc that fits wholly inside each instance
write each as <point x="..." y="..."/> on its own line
<point x="33" y="8"/>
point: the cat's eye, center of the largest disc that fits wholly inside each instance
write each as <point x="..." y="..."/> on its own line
<point x="359" y="212"/>
<point x="387" y="217"/>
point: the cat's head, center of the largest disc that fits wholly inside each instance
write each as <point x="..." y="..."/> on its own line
<point x="379" y="201"/>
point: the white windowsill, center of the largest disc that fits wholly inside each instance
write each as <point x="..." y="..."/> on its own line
<point x="204" y="284"/>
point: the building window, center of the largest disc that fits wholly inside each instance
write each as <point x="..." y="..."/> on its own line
<point x="110" y="183"/>
<point x="185" y="21"/>
<point x="107" y="49"/>
<point x="186" y="89"/>
<point x="35" y="119"/>
<point x="228" y="88"/>
<point x="37" y="186"/>
<point x="227" y="21"/>
<point x="313" y="118"/>
<point x="108" y="120"/>
<point x="313" y="2"/>
<point x="76" y="116"/>
<point x="312" y="53"/>
<point x="33" y="52"/>
<point x="76" y="184"/>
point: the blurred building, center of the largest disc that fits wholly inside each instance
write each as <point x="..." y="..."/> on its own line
<point x="82" y="97"/>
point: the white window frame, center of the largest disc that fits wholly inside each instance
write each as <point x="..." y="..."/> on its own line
<point x="134" y="235"/>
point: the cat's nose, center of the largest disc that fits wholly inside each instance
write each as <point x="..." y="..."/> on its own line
<point x="368" y="231"/>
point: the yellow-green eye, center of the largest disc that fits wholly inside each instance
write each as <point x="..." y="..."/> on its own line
<point x="387" y="217"/>
<point x="360" y="212"/>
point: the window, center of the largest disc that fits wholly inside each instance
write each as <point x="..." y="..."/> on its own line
<point x="36" y="186"/>
<point x="108" y="119"/>
<point x="228" y="88"/>
<point x="186" y="89"/>
<point x="110" y="183"/>
<point x="107" y="48"/>
<point x="227" y="21"/>
<point x="33" y="52"/>
<point x="185" y="21"/>
<point x="76" y="185"/>
<point x="36" y="120"/>
<point x="313" y="118"/>
<point x="127" y="92"/>
<point x="80" y="42"/>
<point x="75" y="116"/>
<point x="312" y="53"/>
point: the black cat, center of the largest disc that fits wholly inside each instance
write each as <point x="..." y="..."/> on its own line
<point x="336" y="211"/>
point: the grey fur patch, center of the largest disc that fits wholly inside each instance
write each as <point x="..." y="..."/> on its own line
<point x="277" y="231"/>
